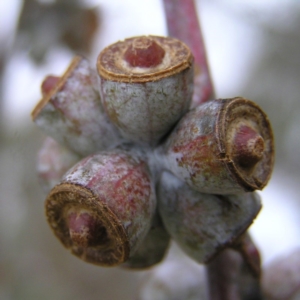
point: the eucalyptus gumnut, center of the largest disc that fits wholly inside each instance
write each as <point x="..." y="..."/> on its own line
<point x="222" y="147"/>
<point x="146" y="85"/>
<point x="103" y="208"/>
<point x="153" y="248"/>
<point x="203" y="224"/>
<point x="53" y="161"/>
<point x="71" y="111"/>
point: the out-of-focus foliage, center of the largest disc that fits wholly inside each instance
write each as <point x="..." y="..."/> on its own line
<point x="62" y="22"/>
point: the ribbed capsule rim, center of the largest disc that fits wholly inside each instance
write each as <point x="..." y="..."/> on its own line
<point x="66" y="196"/>
<point x="111" y="66"/>
<point x="246" y="111"/>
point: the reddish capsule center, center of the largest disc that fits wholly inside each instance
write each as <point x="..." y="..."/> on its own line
<point x="85" y="230"/>
<point x="144" y="52"/>
<point x="49" y="84"/>
<point x="248" y="146"/>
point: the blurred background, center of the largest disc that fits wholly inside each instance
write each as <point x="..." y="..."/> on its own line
<point x="253" y="49"/>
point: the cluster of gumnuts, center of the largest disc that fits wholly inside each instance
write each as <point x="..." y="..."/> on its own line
<point x="130" y="162"/>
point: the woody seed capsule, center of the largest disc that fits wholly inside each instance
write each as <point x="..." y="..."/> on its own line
<point x="222" y="147"/>
<point x="103" y="208"/>
<point x="146" y="85"/>
<point x="71" y="111"/>
<point x="203" y="224"/>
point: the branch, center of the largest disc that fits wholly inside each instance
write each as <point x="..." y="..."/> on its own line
<point x="222" y="275"/>
<point x="182" y="23"/>
<point x="235" y="273"/>
<point x="248" y="250"/>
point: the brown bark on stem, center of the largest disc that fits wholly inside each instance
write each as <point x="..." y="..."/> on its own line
<point x="182" y="23"/>
<point x="235" y="274"/>
<point x="222" y="275"/>
<point x="248" y="250"/>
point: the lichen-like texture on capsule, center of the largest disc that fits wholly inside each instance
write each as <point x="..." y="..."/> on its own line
<point x="146" y="85"/>
<point x="103" y="208"/>
<point x="204" y="224"/>
<point x="223" y="146"/>
<point x="71" y="111"/>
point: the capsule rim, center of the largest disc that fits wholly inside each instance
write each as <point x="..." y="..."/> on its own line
<point x="66" y="195"/>
<point x="108" y="59"/>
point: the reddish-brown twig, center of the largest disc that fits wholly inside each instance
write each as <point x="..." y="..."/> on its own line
<point x="222" y="276"/>
<point x="248" y="250"/>
<point x="182" y="23"/>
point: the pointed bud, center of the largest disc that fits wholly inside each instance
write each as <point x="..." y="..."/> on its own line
<point x="144" y="52"/>
<point x="248" y="146"/>
<point x="49" y="84"/>
<point x="84" y="228"/>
